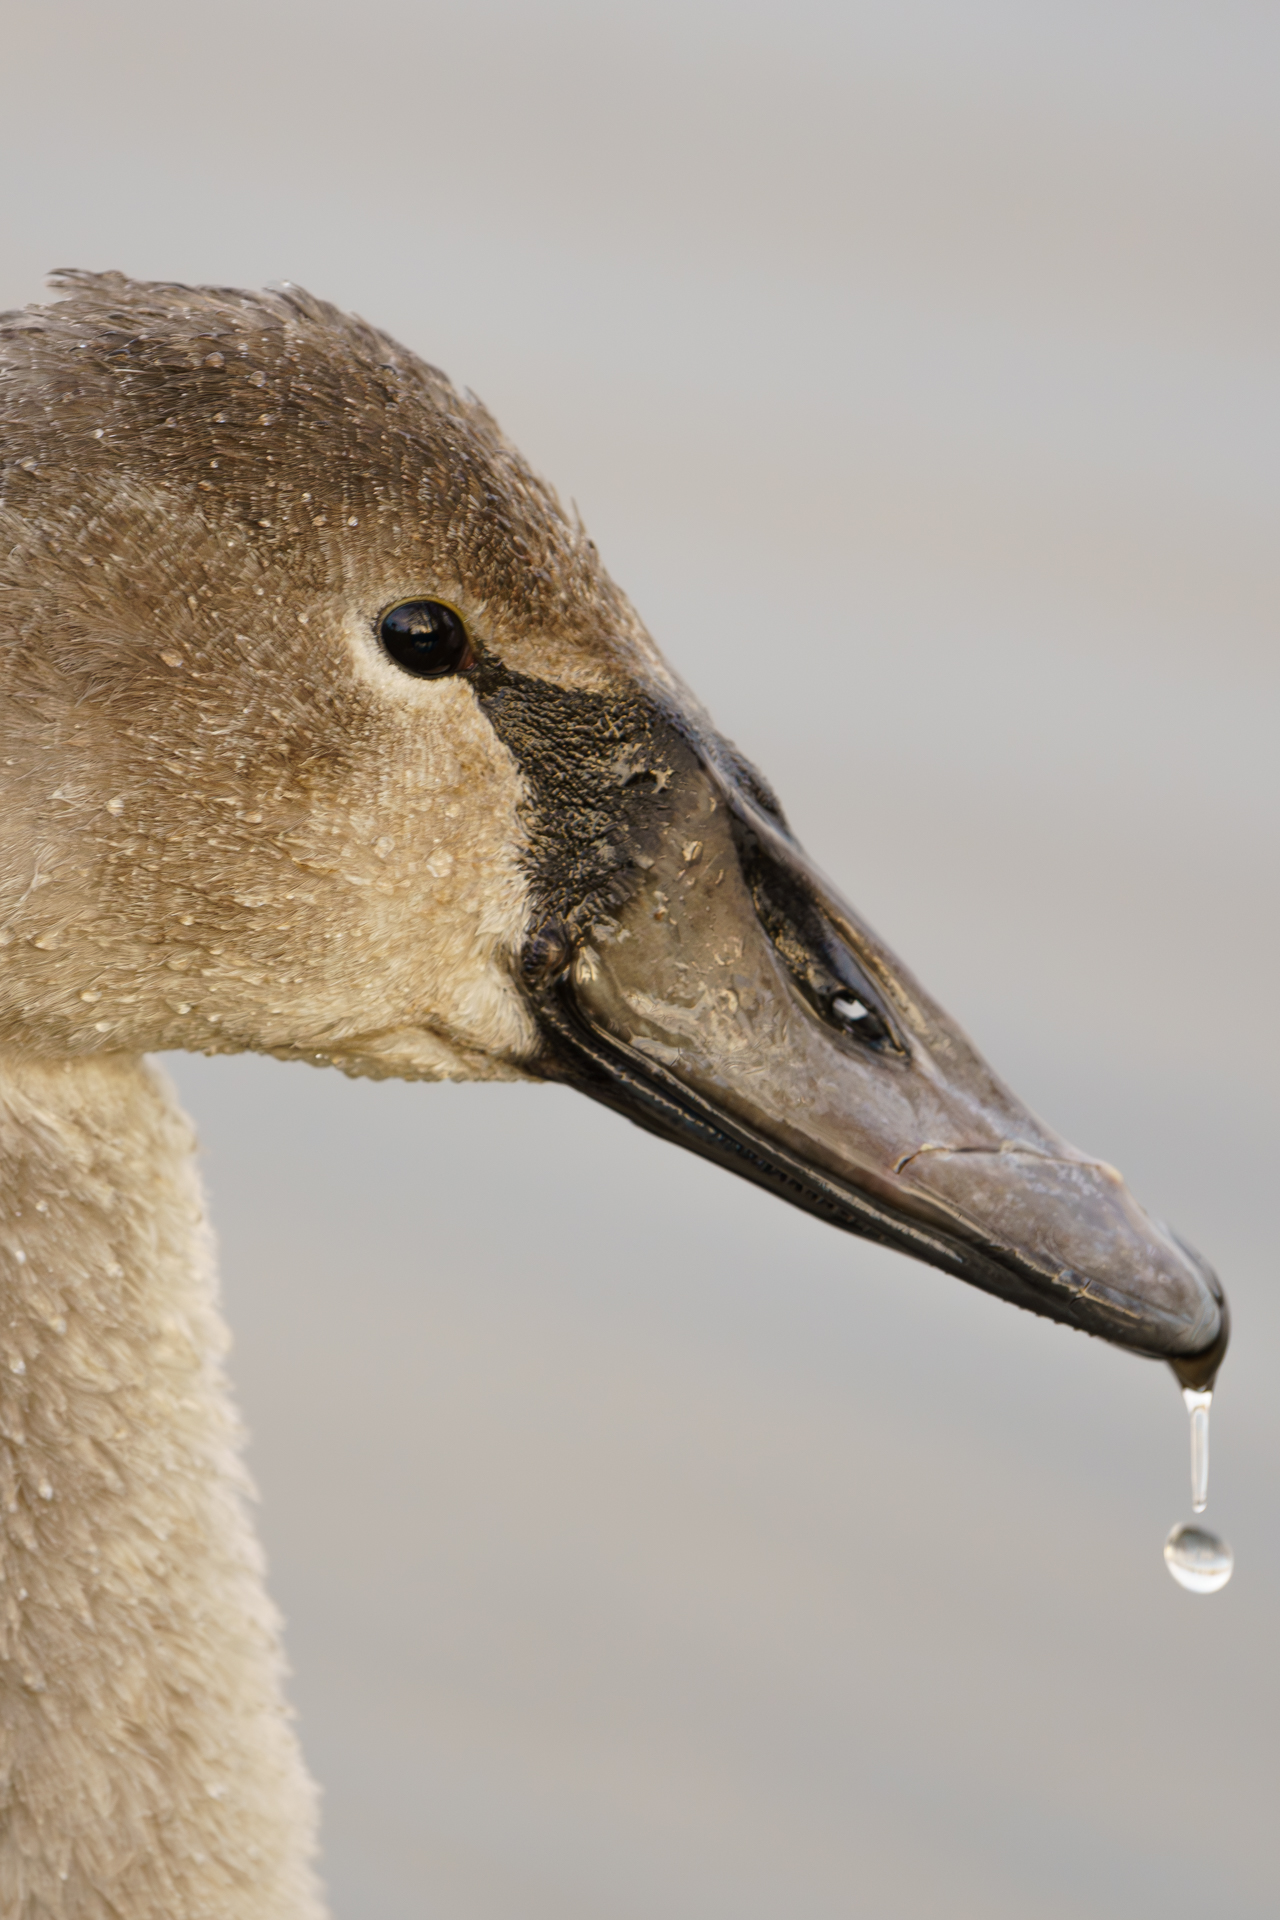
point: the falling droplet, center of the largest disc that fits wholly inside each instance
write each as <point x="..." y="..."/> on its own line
<point x="1197" y="1559"/>
<point x="1197" y="1405"/>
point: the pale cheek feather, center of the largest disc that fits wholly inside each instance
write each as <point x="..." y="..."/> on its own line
<point x="198" y="890"/>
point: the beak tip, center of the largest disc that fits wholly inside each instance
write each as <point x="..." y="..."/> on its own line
<point x="1090" y="1254"/>
<point x="1199" y="1370"/>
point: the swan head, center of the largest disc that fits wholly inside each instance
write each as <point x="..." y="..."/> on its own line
<point x="327" y="735"/>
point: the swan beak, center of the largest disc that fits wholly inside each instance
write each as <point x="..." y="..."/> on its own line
<point x="732" y="1002"/>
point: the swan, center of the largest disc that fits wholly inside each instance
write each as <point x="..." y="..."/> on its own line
<point x="326" y="734"/>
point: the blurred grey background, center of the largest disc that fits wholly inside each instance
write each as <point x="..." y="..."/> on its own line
<point x="649" y="1551"/>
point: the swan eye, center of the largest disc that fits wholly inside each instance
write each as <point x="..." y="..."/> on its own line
<point x="426" y="638"/>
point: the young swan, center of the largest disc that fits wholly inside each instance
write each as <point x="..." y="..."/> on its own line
<point x="325" y="734"/>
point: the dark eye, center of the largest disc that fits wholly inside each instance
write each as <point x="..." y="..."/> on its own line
<point x="426" y="637"/>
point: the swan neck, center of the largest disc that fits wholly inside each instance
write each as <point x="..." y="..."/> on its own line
<point x="149" y="1766"/>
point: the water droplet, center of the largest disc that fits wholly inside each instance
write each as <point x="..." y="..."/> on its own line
<point x="1197" y="1559"/>
<point x="1197" y="1405"/>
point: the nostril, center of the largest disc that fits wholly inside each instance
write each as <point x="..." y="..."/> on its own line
<point x="819" y="960"/>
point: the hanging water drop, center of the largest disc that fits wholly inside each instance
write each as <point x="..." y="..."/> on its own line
<point x="1197" y="1559"/>
<point x="1197" y="1405"/>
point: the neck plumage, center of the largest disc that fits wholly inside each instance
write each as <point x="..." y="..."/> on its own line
<point x="147" y="1765"/>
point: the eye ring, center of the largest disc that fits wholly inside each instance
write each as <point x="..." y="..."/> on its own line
<point x="427" y="638"/>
